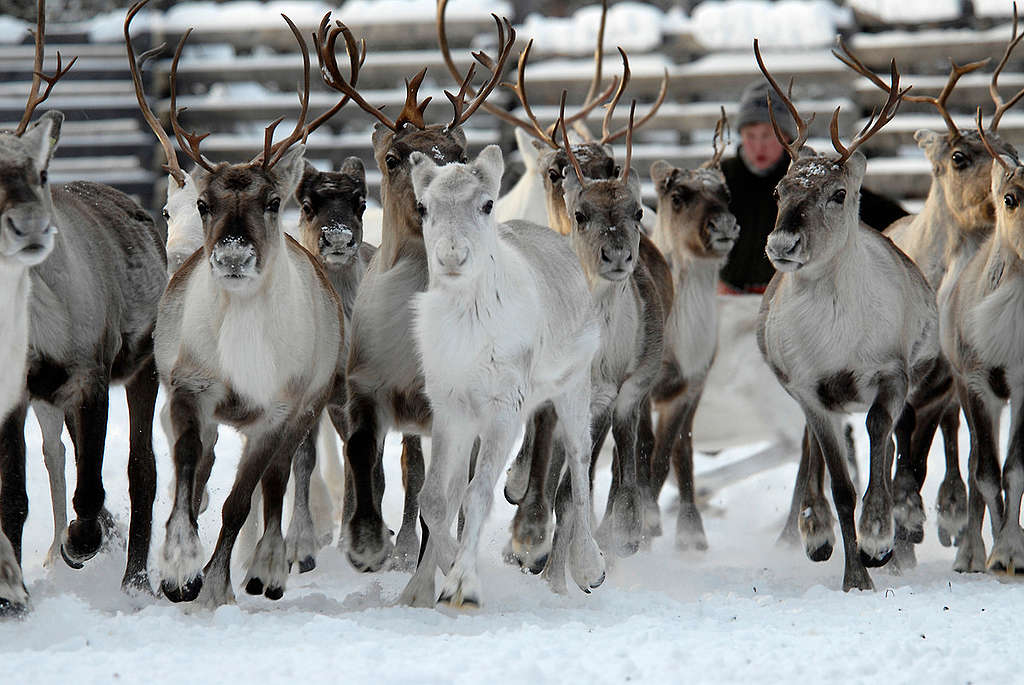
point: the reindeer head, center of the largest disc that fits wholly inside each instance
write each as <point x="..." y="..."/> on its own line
<point x="819" y="197"/>
<point x="595" y="161"/>
<point x="693" y="211"/>
<point x="184" y="225"/>
<point x="455" y="203"/>
<point x="332" y="205"/>
<point x="1006" y="179"/>
<point x="26" y="208"/>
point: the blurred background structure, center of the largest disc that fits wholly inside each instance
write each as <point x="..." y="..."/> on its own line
<point x="241" y="69"/>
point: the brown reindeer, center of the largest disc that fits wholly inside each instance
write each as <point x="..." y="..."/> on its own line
<point x="83" y="267"/>
<point x="695" y="232"/>
<point x="385" y="381"/>
<point x="848" y="322"/>
<point x="250" y="333"/>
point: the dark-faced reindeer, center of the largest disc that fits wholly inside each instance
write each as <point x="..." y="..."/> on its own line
<point x="958" y="216"/>
<point x="500" y="329"/>
<point x="84" y="267"/>
<point x="847" y="323"/>
<point x="385" y="381"/>
<point x="982" y="324"/>
<point x="249" y="333"/>
<point x="695" y="232"/>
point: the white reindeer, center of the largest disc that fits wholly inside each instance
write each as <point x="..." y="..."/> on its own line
<point x="505" y="324"/>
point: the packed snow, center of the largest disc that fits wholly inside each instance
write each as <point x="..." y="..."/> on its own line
<point x="744" y="611"/>
<point x="910" y="11"/>
<point x="732" y="25"/>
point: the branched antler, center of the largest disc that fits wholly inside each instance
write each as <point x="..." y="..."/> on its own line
<point x="496" y="67"/>
<point x="874" y="125"/>
<point x="993" y="87"/>
<point x="188" y="142"/>
<point x="356" y="54"/>
<point x="135" y="65"/>
<point x="326" y="43"/>
<point x="629" y="142"/>
<point x="988" y="146"/>
<point x="565" y="140"/>
<point x="802" y="126"/>
<point x="272" y="153"/>
<point x="608" y="136"/>
<point x="34" y="98"/>
<point x="718" y="142"/>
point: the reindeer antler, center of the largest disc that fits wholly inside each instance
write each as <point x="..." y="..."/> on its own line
<point x="34" y="98"/>
<point x="802" y="126"/>
<point x="496" y="67"/>
<point x="873" y="126"/>
<point x="611" y="136"/>
<point x="993" y="87"/>
<point x="565" y="140"/>
<point x="988" y="146"/>
<point x="135" y="65"/>
<point x="188" y="142"/>
<point x="356" y="54"/>
<point x="718" y="142"/>
<point x="272" y="153"/>
<point x="331" y="74"/>
<point x="629" y="142"/>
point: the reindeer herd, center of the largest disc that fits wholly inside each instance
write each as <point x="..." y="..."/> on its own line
<point x="477" y="317"/>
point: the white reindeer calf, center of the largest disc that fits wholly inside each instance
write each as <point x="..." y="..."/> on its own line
<point x="504" y="325"/>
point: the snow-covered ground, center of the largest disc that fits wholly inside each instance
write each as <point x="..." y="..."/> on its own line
<point x="745" y="611"/>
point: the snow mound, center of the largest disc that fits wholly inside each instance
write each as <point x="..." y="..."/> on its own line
<point x="732" y="25"/>
<point x="908" y="11"/>
<point x="241" y="15"/>
<point x="630" y="25"/>
<point x="12" y="31"/>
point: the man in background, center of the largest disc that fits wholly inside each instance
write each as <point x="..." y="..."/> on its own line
<point x="759" y="165"/>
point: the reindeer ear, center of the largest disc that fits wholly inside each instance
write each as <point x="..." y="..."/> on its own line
<point x="926" y="139"/>
<point x="459" y="136"/>
<point x="571" y="186"/>
<point x="490" y="166"/>
<point x="42" y="137"/>
<point x="423" y="172"/>
<point x="856" y="165"/>
<point x="289" y="169"/>
<point x="530" y="152"/>
<point x="353" y="168"/>
<point x="661" y="173"/>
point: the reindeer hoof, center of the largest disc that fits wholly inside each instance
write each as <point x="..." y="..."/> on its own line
<point x="11" y="609"/>
<point x="822" y="553"/>
<point x="82" y="540"/>
<point x="69" y="561"/>
<point x="185" y="593"/>
<point x="875" y="562"/>
<point x="306" y="565"/>
<point x="254" y="586"/>
<point x="274" y="593"/>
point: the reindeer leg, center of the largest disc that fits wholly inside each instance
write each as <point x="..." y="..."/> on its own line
<point x="644" y="453"/>
<point x="445" y="479"/>
<point x="672" y="416"/>
<point x="271" y="560"/>
<point x="875" y="530"/>
<point x="461" y="586"/>
<point x="951" y="503"/>
<point x="181" y="573"/>
<point x="87" y="423"/>
<point x="970" y="554"/>
<point x="301" y="541"/>
<point x="141" y="392"/>
<point x="987" y="410"/>
<point x="790" y="535"/>
<point x="815" y="523"/>
<point x="825" y="430"/>
<point x="51" y="425"/>
<point x="530" y="543"/>
<point x="627" y="508"/>
<point x="13" y="495"/>
<point x="1008" y="546"/>
<point x="407" y="544"/>
<point x="368" y="538"/>
<point x="13" y="595"/>
<point x="517" y="478"/>
<point x="689" y="527"/>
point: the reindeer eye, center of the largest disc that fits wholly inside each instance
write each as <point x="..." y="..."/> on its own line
<point x="960" y="160"/>
<point x="274" y="205"/>
<point x="166" y="214"/>
<point x="554" y="175"/>
<point x="361" y="208"/>
<point x="307" y="208"/>
<point x="639" y="214"/>
<point x="1010" y="200"/>
<point x="488" y="206"/>
<point x="391" y="161"/>
<point x="581" y="219"/>
<point x="421" y="210"/>
<point x="42" y="177"/>
<point x="839" y="197"/>
<point x="775" y="195"/>
<point x="203" y="208"/>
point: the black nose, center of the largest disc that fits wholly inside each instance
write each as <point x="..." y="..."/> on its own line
<point x="615" y="255"/>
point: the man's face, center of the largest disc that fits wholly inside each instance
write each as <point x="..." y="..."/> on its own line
<point x="760" y="146"/>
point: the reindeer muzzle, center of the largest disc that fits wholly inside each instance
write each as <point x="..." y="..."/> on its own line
<point x="338" y="244"/>
<point x="616" y="263"/>
<point x="27" y="239"/>
<point x="785" y="250"/>
<point x="234" y="260"/>
<point x="722" y="232"/>
<point x="451" y="259"/>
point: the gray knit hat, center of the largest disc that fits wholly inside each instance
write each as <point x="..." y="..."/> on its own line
<point x="754" y="108"/>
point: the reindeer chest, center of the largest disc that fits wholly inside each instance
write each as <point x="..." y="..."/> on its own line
<point x="618" y="315"/>
<point x="994" y="328"/>
<point x="13" y="338"/>
<point x="691" y="331"/>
